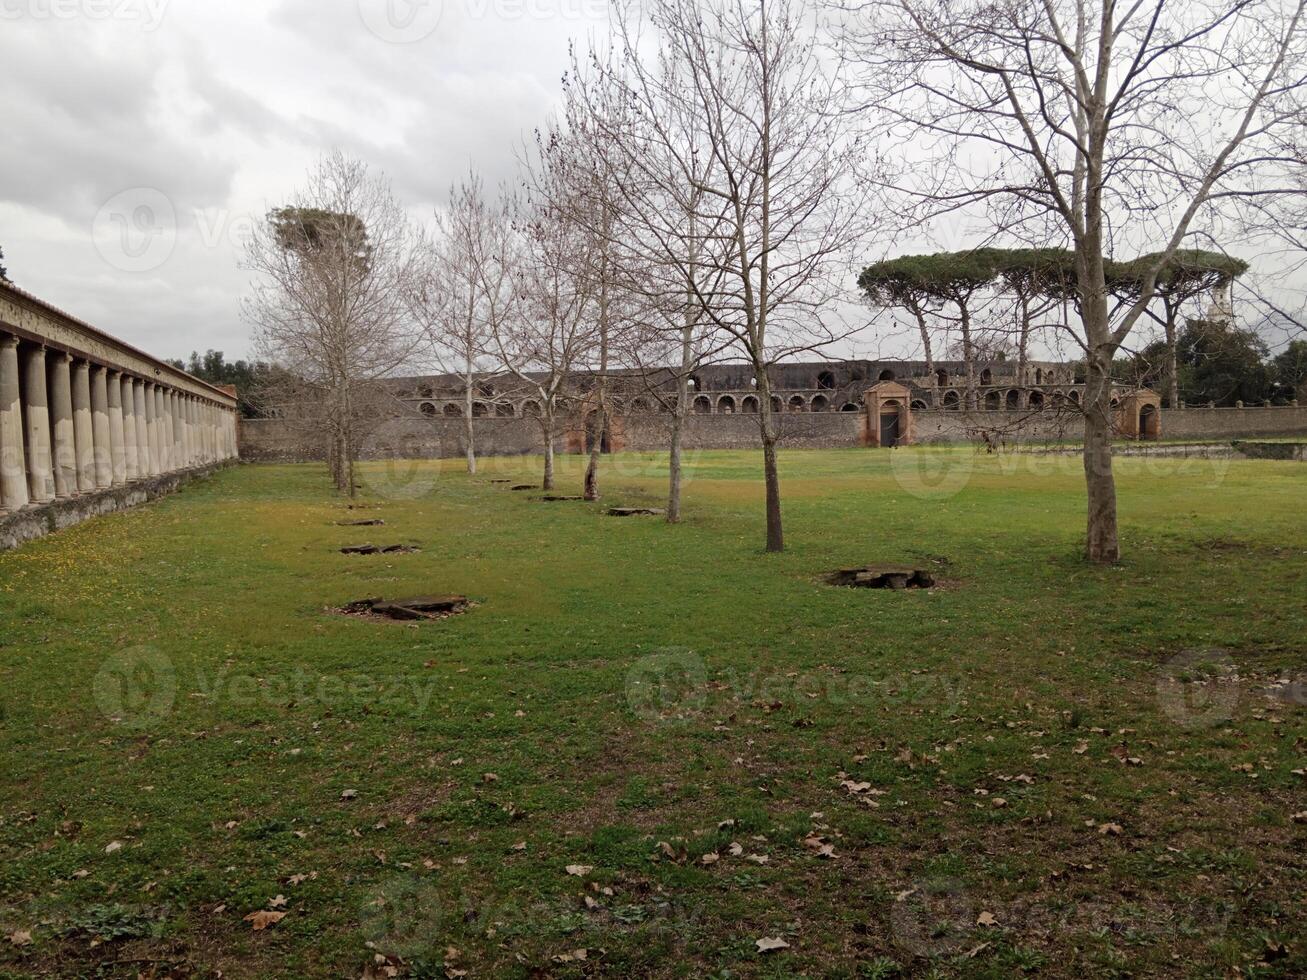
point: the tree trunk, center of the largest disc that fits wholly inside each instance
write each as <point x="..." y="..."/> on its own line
<point x="678" y="427"/>
<point x="548" y="428"/>
<point x="925" y="345"/>
<point x="1172" y="360"/>
<point x="1101" y="544"/>
<point x="591" y="491"/>
<point x="968" y="357"/>
<point x="771" y="479"/>
<point x="468" y="429"/>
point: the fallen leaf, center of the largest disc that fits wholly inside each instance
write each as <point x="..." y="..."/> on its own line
<point x="986" y="919"/>
<point x="113" y="845"/>
<point x="349" y="794"/>
<point x="709" y="858"/>
<point x="768" y="944"/>
<point x="573" y="956"/>
<point x="277" y="902"/>
<point x="1114" y="829"/>
<point x="21" y="937"/>
<point x="519" y="846"/>
<point x="261" y="919"/>
<point x="579" y="870"/>
<point x="1081" y="748"/>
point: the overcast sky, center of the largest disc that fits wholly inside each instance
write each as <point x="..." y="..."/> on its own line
<point x="141" y="136"/>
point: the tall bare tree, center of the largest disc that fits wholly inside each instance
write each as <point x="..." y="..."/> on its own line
<point x="331" y="302"/>
<point x="1117" y="124"/>
<point x="738" y="133"/>
<point x="549" y="330"/>
<point x="469" y="290"/>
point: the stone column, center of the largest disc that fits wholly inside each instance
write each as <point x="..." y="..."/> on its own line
<point x="117" y="430"/>
<point x="165" y="430"/>
<point x="101" y="440"/>
<point x="151" y="429"/>
<point x="13" y="463"/>
<point x="188" y="413"/>
<point x="131" y="447"/>
<point x="161" y="424"/>
<point x="83" y="427"/>
<point x="40" y="472"/>
<point x="142" y="429"/>
<point x="178" y="436"/>
<point x="60" y="392"/>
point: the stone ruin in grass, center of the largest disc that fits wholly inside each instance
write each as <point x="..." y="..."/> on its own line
<point x="379" y="549"/>
<point x="882" y="577"/>
<point x="408" y="610"/>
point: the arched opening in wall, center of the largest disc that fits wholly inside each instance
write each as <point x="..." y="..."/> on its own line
<point x="776" y="403"/>
<point x="797" y="404"/>
<point x="849" y="407"/>
<point x="1039" y="376"/>
<point x="427" y="409"/>
<point x="694" y="382"/>
<point x="826" y="380"/>
<point x="702" y="405"/>
<point x="1036" y="399"/>
<point x="889" y="423"/>
<point x="941" y="377"/>
<point x="1150" y="422"/>
<point x="987" y="377"/>
<point x="480" y="410"/>
<point x="595" y="430"/>
<point x="640" y="405"/>
<point x="820" y="403"/>
<point x="749" y="406"/>
<point x="726" y="405"/>
<point x="452" y="411"/>
<point x="1075" y="396"/>
<point x="951" y="401"/>
<point x="1116" y="402"/>
<point x="753" y="382"/>
<point x="993" y="401"/>
<point x="531" y="409"/>
<point x="918" y="405"/>
<point x="504" y="410"/>
<point x="1013" y="401"/>
<point x="886" y="375"/>
<point x="425" y="391"/>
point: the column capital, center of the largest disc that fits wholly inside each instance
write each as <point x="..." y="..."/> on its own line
<point x="8" y="340"/>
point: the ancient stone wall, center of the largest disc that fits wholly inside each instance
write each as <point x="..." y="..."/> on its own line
<point x="270" y="440"/>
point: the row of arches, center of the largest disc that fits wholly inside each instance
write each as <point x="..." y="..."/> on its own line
<point x="995" y="400"/>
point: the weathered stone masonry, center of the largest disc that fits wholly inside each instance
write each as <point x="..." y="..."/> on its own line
<point x="89" y="424"/>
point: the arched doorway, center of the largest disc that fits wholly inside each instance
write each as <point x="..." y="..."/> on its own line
<point x="1149" y="422"/>
<point x="1013" y="401"/>
<point x="826" y="380"/>
<point x="702" y="405"/>
<point x="952" y="401"/>
<point x="819" y="403"/>
<point x="453" y="411"/>
<point x="594" y="429"/>
<point x="750" y="405"/>
<point x="993" y="401"/>
<point x="886" y="375"/>
<point x="797" y="404"/>
<point x="889" y="423"/>
<point x="726" y="405"/>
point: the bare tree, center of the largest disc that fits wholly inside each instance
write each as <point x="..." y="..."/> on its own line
<point x="549" y="330"/>
<point x="1117" y="124"/>
<point x="737" y="130"/>
<point x="332" y="299"/>
<point x="468" y="292"/>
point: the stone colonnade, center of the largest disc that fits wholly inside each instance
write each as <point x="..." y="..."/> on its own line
<point x="72" y="425"/>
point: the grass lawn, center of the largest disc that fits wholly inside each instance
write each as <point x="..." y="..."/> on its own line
<point x="1037" y="767"/>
